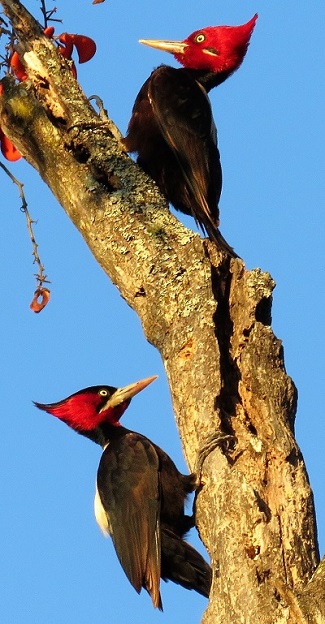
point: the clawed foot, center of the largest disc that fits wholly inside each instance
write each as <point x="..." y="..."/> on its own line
<point x="222" y="440"/>
<point x="104" y="119"/>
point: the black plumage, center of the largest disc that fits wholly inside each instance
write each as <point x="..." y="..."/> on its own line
<point x="172" y="130"/>
<point x="140" y="494"/>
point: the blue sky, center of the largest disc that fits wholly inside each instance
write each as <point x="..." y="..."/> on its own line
<point x="56" y="567"/>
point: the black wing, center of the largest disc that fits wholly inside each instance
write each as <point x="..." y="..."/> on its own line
<point x="183" y="112"/>
<point x="128" y="488"/>
<point x="172" y="130"/>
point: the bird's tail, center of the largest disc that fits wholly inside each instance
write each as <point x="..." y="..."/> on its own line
<point x="183" y="565"/>
<point x="216" y="236"/>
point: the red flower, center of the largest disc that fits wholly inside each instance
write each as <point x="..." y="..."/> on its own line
<point x="8" y="149"/>
<point x="86" y="48"/>
<point x="17" y="67"/>
<point x="6" y="146"/>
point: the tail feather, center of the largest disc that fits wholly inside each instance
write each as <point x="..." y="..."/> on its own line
<point x="216" y="236"/>
<point x="183" y="565"/>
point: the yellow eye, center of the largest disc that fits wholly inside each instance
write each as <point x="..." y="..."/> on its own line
<point x="200" y="38"/>
<point x="103" y="392"/>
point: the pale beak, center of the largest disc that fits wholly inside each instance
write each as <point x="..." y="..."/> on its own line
<point x="175" y="47"/>
<point x="126" y="393"/>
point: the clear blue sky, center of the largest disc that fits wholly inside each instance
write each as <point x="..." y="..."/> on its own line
<point x="56" y="567"/>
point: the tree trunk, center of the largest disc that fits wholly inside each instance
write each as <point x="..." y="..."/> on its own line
<point x="210" y="320"/>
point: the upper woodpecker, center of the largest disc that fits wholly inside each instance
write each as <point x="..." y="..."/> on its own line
<point x="140" y="494"/>
<point x="172" y="128"/>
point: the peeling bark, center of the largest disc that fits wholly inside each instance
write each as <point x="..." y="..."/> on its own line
<point x="210" y="320"/>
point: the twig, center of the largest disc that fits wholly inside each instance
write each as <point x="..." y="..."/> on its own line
<point x="48" y="14"/>
<point x="41" y="277"/>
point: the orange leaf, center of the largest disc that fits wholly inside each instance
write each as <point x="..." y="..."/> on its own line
<point x="43" y="294"/>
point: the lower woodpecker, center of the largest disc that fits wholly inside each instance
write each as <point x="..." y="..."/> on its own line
<point x="140" y="494"/>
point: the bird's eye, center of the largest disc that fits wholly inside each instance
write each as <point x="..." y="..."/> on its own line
<point x="200" y="38"/>
<point x="103" y="392"/>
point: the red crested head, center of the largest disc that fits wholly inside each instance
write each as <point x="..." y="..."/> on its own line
<point x="89" y="408"/>
<point x="214" y="48"/>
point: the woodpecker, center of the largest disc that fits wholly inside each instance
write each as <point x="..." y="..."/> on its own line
<point x="140" y="494"/>
<point x="172" y="128"/>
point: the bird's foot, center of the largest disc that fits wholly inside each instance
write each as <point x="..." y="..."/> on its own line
<point x="104" y="120"/>
<point x="216" y="440"/>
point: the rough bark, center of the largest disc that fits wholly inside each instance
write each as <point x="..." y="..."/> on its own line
<point x="210" y="320"/>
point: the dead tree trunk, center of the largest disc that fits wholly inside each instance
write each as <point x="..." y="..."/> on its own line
<point x="210" y="320"/>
